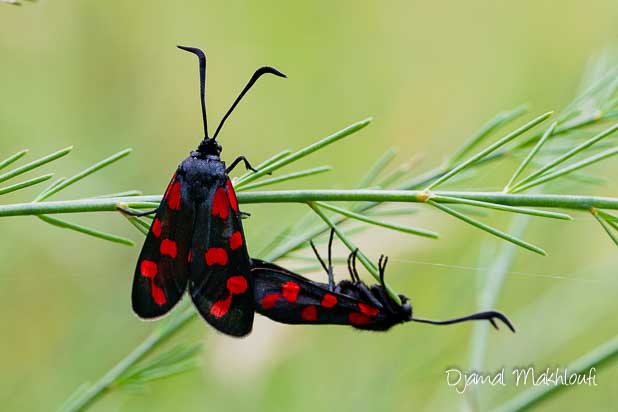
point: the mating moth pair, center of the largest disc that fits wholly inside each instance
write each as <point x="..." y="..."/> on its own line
<point x="196" y="243"/>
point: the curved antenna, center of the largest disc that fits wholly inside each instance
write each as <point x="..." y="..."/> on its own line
<point x="259" y="72"/>
<point x="202" y="59"/>
<point x="490" y="315"/>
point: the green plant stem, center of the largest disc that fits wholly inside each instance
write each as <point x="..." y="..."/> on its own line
<point x="493" y="279"/>
<point x="597" y="358"/>
<point x="104" y="384"/>
<point x="304" y="196"/>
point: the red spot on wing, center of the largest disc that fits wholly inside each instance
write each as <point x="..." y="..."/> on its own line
<point x="173" y="201"/>
<point x="156" y="227"/>
<point x="236" y="240"/>
<point x="269" y="301"/>
<point x="168" y="247"/>
<point x="329" y="300"/>
<point x="237" y="284"/>
<point x="169" y="187"/>
<point x="356" y="318"/>
<point x="148" y="268"/>
<point x="221" y="307"/>
<point x="189" y="257"/>
<point x="216" y="255"/>
<point x="309" y="313"/>
<point x="232" y="196"/>
<point x="368" y="309"/>
<point x="157" y="294"/>
<point x="290" y="290"/>
<point x="220" y="206"/>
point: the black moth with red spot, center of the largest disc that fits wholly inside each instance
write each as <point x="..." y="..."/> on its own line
<point x="287" y="297"/>
<point x="197" y="239"/>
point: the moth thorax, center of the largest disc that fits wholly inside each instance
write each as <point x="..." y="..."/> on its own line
<point x="406" y="307"/>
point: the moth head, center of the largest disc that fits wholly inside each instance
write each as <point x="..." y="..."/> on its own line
<point x="210" y="146"/>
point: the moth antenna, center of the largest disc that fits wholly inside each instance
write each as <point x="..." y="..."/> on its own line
<point x="318" y="255"/>
<point x="489" y="315"/>
<point x="202" y="60"/>
<point x="382" y="268"/>
<point x="259" y="72"/>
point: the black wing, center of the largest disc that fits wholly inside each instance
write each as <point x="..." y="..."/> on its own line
<point x="220" y="283"/>
<point x="162" y="269"/>
<point x="287" y="297"/>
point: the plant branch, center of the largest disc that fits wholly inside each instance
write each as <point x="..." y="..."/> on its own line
<point x="572" y="202"/>
<point x="104" y="384"/>
<point x="597" y="359"/>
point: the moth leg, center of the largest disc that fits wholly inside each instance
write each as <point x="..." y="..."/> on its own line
<point x="238" y="160"/>
<point x="135" y="214"/>
<point x="381" y="291"/>
<point x="386" y="300"/>
<point x="366" y="293"/>
<point x="331" y="276"/>
<point x="352" y="267"/>
<point x="328" y="270"/>
<point x="382" y="268"/>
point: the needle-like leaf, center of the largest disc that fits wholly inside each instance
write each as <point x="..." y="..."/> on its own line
<point x="486" y="130"/>
<point x="392" y="226"/>
<point x="86" y="172"/>
<point x="561" y="159"/>
<point x="506" y="139"/>
<point x="487" y="228"/>
<point x="13" y="158"/>
<point x="606" y="226"/>
<point x="308" y="150"/>
<point x="377" y="167"/>
<point x="530" y="156"/>
<point x="505" y="208"/>
<point x="85" y="230"/>
<point x="36" y="163"/>
<point x="238" y="180"/>
<point x="286" y="177"/>
<point x="26" y="183"/>
<point x="566" y="170"/>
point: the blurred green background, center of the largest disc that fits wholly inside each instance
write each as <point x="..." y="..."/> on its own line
<point x="105" y="75"/>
